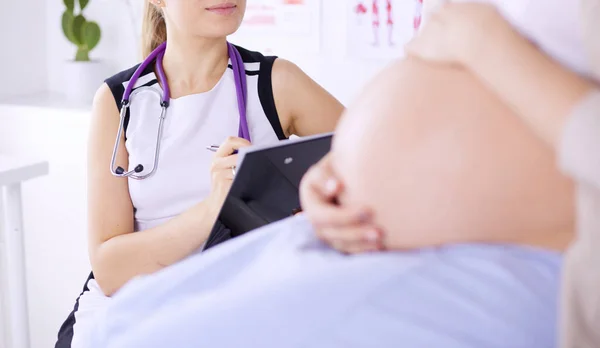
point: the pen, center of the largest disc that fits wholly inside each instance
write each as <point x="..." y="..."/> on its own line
<point x="214" y="148"/>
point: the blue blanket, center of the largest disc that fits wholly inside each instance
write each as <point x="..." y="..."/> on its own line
<point x="280" y="287"/>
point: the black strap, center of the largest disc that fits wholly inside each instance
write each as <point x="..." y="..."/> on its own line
<point x="265" y="94"/>
<point x="65" y="333"/>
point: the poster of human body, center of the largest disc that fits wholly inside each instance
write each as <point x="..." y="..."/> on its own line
<point x="378" y="29"/>
<point x="270" y="25"/>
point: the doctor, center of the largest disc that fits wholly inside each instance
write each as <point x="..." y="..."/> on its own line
<point x="157" y="203"/>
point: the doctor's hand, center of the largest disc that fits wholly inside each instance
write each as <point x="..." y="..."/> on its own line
<point x="458" y="33"/>
<point x="346" y="229"/>
<point x="223" y="167"/>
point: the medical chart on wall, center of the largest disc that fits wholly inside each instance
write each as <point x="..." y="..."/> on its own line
<point x="379" y="29"/>
<point x="270" y="26"/>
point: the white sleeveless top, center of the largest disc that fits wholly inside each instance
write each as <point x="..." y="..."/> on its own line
<point x="192" y="123"/>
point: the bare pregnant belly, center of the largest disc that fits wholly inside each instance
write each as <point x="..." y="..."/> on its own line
<point x="440" y="159"/>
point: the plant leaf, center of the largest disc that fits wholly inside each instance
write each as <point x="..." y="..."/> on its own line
<point x="78" y="24"/>
<point x="91" y="35"/>
<point x="67" y="26"/>
<point x="70" y="4"/>
<point x="83" y="4"/>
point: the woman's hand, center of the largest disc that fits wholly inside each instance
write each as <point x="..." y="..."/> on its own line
<point x="223" y="167"/>
<point x="456" y="33"/>
<point x="347" y="229"/>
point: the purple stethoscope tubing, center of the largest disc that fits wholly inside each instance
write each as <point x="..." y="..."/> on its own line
<point x="241" y="88"/>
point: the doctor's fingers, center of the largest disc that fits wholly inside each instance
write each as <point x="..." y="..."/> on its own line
<point x="230" y="145"/>
<point x="220" y="163"/>
<point x="223" y="174"/>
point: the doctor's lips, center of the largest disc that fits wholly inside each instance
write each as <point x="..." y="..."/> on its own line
<point x="223" y="9"/>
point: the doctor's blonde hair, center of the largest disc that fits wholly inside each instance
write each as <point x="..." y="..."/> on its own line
<point x="154" y="29"/>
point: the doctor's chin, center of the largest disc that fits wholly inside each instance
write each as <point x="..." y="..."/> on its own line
<point x="300" y="174"/>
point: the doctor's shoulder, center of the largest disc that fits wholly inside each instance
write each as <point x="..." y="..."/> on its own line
<point x="292" y="101"/>
<point x="106" y="107"/>
<point x="110" y="93"/>
<point x="117" y="83"/>
<point x="107" y="101"/>
<point x="303" y="105"/>
<point x="287" y="93"/>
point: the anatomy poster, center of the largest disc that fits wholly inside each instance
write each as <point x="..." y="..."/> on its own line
<point x="276" y="25"/>
<point x="379" y="29"/>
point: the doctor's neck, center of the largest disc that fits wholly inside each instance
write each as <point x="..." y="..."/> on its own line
<point x="194" y="65"/>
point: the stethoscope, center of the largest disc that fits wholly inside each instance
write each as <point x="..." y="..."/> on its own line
<point x="157" y="55"/>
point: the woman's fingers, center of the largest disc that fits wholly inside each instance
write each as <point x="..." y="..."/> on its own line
<point x="360" y="248"/>
<point x="345" y="228"/>
<point x="355" y="247"/>
<point x="320" y="177"/>
<point x="330" y="215"/>
<point x="323" y="182"/>
<point x="317" y="195"/>
<point x="351" y="234"/>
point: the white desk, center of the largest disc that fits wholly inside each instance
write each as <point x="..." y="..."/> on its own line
<point x="14" y="328"/>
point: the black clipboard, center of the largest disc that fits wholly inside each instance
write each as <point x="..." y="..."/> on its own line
<point x="266" y="185"/>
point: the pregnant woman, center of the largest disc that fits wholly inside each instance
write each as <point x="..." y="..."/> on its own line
<point x="464" y="197"/>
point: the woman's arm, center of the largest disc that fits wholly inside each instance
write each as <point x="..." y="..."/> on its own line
<point x="561" y="107"/>
<point x="117" y="254"/>
<point x="304" y="107"/>
<point x="477" y="37"/>
<point x="537" y="88"/>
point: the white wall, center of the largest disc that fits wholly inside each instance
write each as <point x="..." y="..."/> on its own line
<point x="331" y="67"/>
<point x="54" y="211"/>
<point x="117" y="46"/>
<point x="20" y="45"/>
<point x="55" y="216"/>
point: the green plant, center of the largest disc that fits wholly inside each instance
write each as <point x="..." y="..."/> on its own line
<point x="82" y="33"/>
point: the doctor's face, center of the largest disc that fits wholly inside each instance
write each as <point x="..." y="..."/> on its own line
<point x="204" y="18"/>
